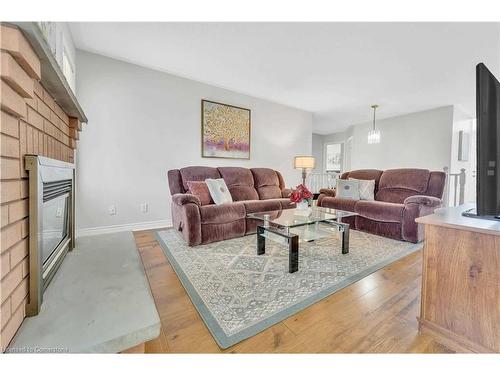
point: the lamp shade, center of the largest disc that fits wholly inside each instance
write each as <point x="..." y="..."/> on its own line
<point x="373" y="136"/>
<point x="303" y="162"/>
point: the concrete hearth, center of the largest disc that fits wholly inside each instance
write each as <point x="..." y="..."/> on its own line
<point x="99" y="301"/>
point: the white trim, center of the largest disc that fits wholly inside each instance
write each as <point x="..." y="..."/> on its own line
<point x="123" y="228"/>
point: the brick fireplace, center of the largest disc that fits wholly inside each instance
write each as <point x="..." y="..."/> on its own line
<point x="32" y="122"/>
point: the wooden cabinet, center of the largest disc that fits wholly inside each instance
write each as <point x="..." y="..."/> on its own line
<point x="461" y="281"/>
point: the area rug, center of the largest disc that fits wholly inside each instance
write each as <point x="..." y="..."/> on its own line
<point x="239" y="293"/>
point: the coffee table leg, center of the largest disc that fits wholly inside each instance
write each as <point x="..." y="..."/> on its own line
<point x="293" y="256"/>
<point x="345" y="238"/>
<point x="261" y="241"/>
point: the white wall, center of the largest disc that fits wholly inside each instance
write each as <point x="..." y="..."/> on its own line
<point x="143" y="122"/>
<point x="416" y="140"/>
<point x="317" y="152"/>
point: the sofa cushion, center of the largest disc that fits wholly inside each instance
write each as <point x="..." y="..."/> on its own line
<point x="266" y="182"/>
<point x="436" y="184"/>
<point x="347" y="189"/>
<point x="269" y="192"/>
<point x="218" y="191"/>
<point x="394" y="195"/>
<point x="175" y="182"/>
<point x="281" y="180"/>
<point x="339" y="203"/>
<point x="200" y="190"/>
<point x="398" y="184"/>
<point x="240" y="183"/>
<point x="223" y="213"/>
<point x="366" y="189"/>
<point x="364" y="174"/>
<point x="405" y="178"/>
<point x="197" y="174"/>
<point x="262" y="206"/>
<point x="284" y="203"/>
<point x="380" y="211"/>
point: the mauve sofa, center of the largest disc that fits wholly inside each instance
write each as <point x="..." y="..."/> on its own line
<point x="401" y="195"/>
<point x="253" y="190"/>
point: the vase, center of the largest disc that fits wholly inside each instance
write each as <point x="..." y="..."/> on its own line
<point x="303" y="205"/>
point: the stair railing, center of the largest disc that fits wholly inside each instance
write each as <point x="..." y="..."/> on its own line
<point x="454" y="184"/>
<point x="317" y="181"/>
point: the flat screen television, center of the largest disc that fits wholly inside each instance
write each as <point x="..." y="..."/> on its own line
<point x="488" y="143"/>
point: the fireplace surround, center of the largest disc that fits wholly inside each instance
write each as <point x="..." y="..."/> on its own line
<point x="51" y="225"/>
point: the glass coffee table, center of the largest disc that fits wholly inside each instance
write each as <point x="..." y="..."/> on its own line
<point x="288" y="227"/>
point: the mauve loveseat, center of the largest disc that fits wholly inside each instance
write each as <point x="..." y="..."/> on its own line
<point x="401" y="195"/>
<point x="253" y="190"/>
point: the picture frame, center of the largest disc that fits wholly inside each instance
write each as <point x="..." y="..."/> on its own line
<point x="225" y="131"/>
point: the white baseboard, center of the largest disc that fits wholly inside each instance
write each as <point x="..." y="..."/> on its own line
<point x="123" y="228"/>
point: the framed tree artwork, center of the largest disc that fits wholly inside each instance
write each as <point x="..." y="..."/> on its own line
<point x="225" y="131"/>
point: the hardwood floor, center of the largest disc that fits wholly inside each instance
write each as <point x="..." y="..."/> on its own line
<point x="374" y="315"/>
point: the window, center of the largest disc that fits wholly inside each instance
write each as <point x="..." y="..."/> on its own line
<point x="333" y="157"/>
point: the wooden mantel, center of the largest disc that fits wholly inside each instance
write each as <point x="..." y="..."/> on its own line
<point x="461" y="281"/>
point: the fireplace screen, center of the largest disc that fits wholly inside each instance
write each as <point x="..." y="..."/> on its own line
<point x="51" y="210"/>
<point x="55" y="225"/>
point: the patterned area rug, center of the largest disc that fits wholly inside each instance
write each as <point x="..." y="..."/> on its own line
<point x="239" y="293"/>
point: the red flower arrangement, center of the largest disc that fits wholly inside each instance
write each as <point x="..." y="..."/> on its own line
<point x="300" y="193"/>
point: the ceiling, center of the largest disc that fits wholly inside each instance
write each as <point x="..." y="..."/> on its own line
<point x="334" y="70"/>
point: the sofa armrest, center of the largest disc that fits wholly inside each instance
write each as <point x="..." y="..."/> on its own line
<point x="417" y="206"/>
<point x="285" y="193"/>
<point x="328" y="192"/>
<point x="424" y="200"/>
<point x="182" y="199"/>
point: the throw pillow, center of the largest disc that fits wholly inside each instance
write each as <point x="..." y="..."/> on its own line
<point x="366" y="189"/>
<point x="347" y="189"/>
<point x="219" y="191"/>
<point x="200" y="189"/>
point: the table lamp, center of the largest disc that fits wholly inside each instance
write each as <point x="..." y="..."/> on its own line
<point x="304" y="163"/>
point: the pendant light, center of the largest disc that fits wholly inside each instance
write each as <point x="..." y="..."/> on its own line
<point x="374" y="134"/>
